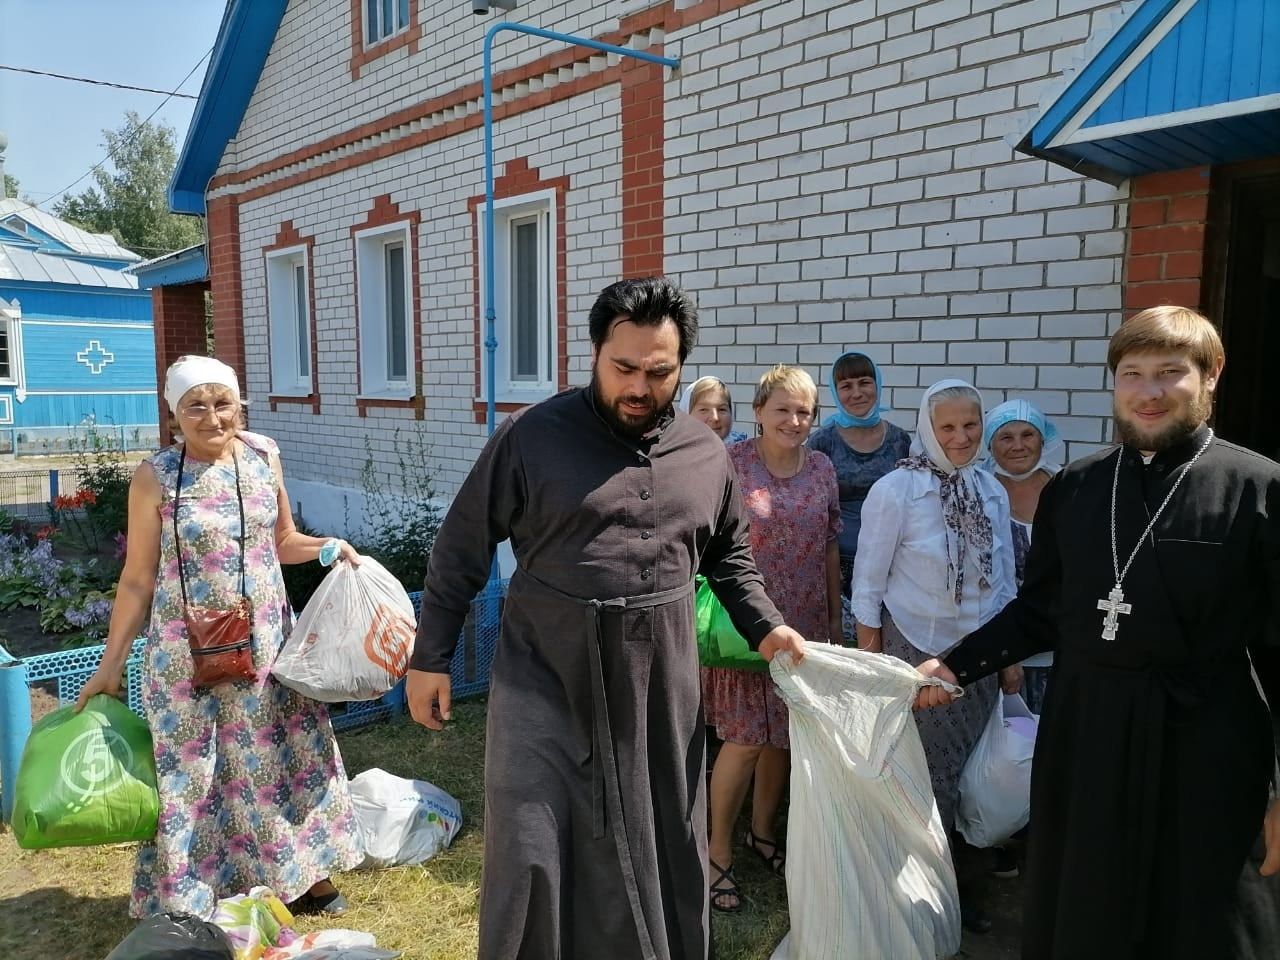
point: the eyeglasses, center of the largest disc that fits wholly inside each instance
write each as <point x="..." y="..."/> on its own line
<point x="198" y="411"/>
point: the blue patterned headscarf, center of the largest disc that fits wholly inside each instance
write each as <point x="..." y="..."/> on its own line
<point x="842" y="417"/>
<point x="1013" y="411"/>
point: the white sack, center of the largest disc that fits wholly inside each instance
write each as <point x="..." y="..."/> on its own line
<point x="402" y="821"/>
<point x="869" y="874"/>
<point x="353" y="639"/>
<point x="995" y="787"/>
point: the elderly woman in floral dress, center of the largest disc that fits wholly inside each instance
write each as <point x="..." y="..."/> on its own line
<point x="252" y="787"/>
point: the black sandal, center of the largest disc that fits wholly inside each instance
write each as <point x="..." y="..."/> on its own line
<point x="776" y="861"/>
<point x="724" y="875"/>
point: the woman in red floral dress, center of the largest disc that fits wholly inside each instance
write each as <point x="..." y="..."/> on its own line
<point x="794" y="505"/>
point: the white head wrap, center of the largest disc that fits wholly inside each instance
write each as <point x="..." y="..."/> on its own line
<point x="964" y="517"/>
<point x="188" y="372"/>
<point x="686" y="398"/>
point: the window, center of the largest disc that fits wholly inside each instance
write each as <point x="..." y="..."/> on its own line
<point x="383" y="277"/>
<point x="525" y="284"/>
<point x="289" y="315"/>
<point x="385" y="18"/>
<point x="5" y="356"/>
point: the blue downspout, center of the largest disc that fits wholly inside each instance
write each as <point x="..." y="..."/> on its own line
<point x="490" y="313"/>
<point x="15" y="727"/>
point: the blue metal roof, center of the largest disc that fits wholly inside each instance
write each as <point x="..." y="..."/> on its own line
<point x="244" y="39"/>
<point x="1180" y="83"/>
<point x="188" y="265"/>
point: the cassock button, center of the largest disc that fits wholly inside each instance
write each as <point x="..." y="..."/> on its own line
<point x="963" y="674"/>
<point x="645" y="534"/>
<point x="644" y="574"/>
<point x="1004" y="653"/>
<point x="644" y="494"/>
<point x="982" y="663"/>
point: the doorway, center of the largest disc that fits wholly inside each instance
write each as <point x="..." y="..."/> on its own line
<point x="1243" y="294"/>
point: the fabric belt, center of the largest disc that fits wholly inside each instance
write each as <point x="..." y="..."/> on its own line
<point x="606" y="789"/>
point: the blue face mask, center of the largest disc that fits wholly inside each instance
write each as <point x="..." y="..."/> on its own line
<point x="842" y="417"/>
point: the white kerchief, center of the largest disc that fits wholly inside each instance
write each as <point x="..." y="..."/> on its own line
<point x="192" y="371"/>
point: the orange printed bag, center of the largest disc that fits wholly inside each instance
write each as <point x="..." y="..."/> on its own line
<point x="353" y="639"/>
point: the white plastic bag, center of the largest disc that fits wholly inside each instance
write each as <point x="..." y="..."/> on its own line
<point x="403" y="821"/>
<point x="869" y="873"/>
<point x="353" y="639"/>
<point x="995" y="786"/>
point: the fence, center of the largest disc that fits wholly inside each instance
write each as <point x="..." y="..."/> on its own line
<point x="29" y="494"/>
<point x="47" y="441"/>
<point x="67" y="671"/>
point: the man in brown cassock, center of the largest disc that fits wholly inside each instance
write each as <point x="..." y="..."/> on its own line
<point x="595" y="817"/>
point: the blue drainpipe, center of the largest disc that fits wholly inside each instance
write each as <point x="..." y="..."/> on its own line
<point x="490" y="314"/>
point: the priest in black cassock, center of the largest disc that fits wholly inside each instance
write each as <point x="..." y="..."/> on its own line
<point x="595" y="819"/>
<point x="1154" y="577"/>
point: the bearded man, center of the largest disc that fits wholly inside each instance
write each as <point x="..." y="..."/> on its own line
<point x="1154" y="577"/>
<point x="595" y="820"/>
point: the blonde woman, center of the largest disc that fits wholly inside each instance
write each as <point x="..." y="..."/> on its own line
<point x="794" y="508"/>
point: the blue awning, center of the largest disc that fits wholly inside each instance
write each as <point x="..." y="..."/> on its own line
<point x="188" y="265"/>
<point x="1181" y="83"/>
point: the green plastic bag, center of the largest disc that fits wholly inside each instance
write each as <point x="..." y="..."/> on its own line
<point x="86" y="778"/>
<point x="719" y="642"/>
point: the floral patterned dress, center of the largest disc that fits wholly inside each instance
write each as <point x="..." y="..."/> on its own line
<point x="252" y="787"/>
<point x="792" y="521"/>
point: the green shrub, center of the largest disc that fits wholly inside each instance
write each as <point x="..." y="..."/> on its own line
<point x="104" y="473"/>
<point x="401" y="522"/>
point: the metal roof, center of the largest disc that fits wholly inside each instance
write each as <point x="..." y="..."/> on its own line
<point x="73" y="238"/>
<point x="1179" y="84"/>
<point x="182" y="266"/>
<point x="245" y="37"/>
<point x="31" y="267"/>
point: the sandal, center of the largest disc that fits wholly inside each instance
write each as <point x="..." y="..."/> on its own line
<point x="776" y="861"/>
<point x="327" y="904"/>
<point x="724" y="885"/>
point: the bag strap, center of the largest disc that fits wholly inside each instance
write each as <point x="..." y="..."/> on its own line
<point x="177" y="540"/>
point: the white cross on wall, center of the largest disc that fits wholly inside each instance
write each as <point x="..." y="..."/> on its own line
<point x="95" y="357"/>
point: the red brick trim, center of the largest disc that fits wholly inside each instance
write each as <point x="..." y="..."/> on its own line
<point x="178" y="314"/>
<point x="362" y="55"/>
<point x="643" y="216"/>
<point x="1165" y="241"/>
<point x="223" y="223"/>
<point x="517" y="178"/>
<point x="287" y="236"/>
<point x="663" y="16"/>
<point x="386" y="213"/>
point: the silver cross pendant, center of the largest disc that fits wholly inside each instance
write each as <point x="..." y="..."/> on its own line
<point x="1114" y="605"/>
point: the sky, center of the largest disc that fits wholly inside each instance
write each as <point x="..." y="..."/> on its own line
<point x="55" y="126"/>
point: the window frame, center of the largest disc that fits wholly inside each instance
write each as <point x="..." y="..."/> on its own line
<point x="507" y="211"/>
<point x="291" y="381"/>
<point x="369" y="41"/>
<point x="373" y="339"/>
<point x="13" y="347"/>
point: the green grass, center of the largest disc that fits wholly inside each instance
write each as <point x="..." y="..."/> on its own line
<point x="71" y="904"/>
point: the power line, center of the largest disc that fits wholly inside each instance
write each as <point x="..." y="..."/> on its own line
<point x="99" y="83"/>
<point x="131" y="137"/>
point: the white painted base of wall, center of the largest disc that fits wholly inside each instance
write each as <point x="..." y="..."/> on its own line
<point x="340" y="511"/>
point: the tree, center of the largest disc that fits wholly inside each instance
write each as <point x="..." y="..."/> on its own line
<point x="10" y="186"/>
<point x="130" y="200"/>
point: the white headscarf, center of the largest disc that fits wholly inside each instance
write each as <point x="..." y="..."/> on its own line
<point x="686" y="398"/>
<point x="1011" y="411"/>
<point x="963" y="513"/>
<point x="192" y="371"/>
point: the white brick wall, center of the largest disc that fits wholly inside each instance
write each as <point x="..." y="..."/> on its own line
<point x="331" y="446"/>
<point x="902" y="197"/>
<point x="837" y="175"/>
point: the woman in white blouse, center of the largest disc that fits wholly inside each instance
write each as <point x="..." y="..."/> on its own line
<point x="935" y="562"/>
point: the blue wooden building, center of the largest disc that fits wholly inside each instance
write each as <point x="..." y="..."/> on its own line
<point x="76" y="338"/>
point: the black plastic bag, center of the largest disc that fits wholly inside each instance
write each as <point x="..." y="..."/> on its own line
<point x="174" y="936"/>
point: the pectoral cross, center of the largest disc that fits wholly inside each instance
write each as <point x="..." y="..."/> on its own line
<point x="1114" y="605"/>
